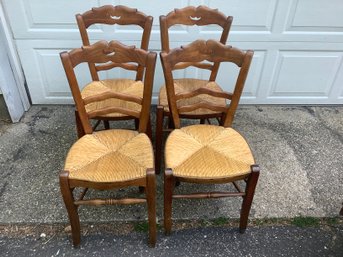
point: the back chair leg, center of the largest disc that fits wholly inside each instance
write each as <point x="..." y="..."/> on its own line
<point x="151" y="201"/>
<point x="79" y="128"/>
<point x="158" y="138"/>
<point x="67" y="194"/>
<point x="106" y="124"/>
<point x="171" y="124"/>
<point x="148" y="129"/>
<point x="168" y="199"/>
<point x="249" y="195"/>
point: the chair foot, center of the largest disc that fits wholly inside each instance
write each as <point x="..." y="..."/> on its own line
<point x="242" y="230"/>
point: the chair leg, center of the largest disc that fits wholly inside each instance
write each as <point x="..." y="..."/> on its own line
<point x="106" y="124"/>
<point x="151" y="201"/>
<point x="148" y="129"/>
<point x="249" y="195"/>
<point x="168" y="199"/>
<point x="158" y="138"/>
<point x="79" y="128"/>
<point x="171" y="124"/>
<point x="136" y="124"/>
<point x="67" y="194"/>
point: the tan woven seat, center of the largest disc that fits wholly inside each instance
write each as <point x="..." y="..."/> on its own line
<point x="186" y="85"/>
<point x="207" y="151"/>
<point x="124" y="86"/>
<point x="110" y="156"/>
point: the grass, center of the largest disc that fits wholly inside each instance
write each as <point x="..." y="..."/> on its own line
<point x="144" y="227"/>
<point x="304" y="222"/>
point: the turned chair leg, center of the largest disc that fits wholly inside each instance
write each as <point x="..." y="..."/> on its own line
<point x="168" y="199"/>
<point x="248" y="198"/>
<point x="151" y="201"/>
<point x="67" y="194"/>
<point x="158" y="138"/>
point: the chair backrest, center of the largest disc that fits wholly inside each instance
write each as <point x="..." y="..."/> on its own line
<point x="111" y="15"/>
<point x="105" y="54"/>
<point x="200" y="16"/>
<point x="200" y="51"/>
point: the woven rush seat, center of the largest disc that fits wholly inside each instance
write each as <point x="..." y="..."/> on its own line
<point x="207" y="151"/>
<point x="185" y="85"/>
<point x="124" y="86"/>
<point x="110" y="156"/>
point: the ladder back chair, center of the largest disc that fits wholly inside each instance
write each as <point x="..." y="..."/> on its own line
<point x="205" y="153"/>
<point x="114" y="158"/>
<point x="189" y="16"/>
<point x="113" y="15"/>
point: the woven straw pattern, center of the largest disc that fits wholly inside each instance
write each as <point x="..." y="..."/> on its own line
<point x="186" y="85"/>
<point x="110" y="156"/>
<point x="125" y="86"/>
<point x="207" y="151"/>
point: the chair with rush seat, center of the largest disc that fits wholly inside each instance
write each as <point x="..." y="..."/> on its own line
<point x="113" y="15"/>
<point x="114" y="158"/>
<point x="204" y="153"/>
<point x="189" y="16"/>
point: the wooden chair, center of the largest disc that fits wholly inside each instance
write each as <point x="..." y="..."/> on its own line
<point x="207" y="153"/>
<point x="189" y="16"/>
<point x="112" y="15"/>
<point x="114" y="158"/>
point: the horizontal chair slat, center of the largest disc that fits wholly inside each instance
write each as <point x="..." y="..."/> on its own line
<point x="183" y="65"/>
<point x="107" y="95"/>
<point x="108" y="66"/>
<point x="209" y="106"/>
<point x="108" y="110"/>
<point x="203" y="90"/>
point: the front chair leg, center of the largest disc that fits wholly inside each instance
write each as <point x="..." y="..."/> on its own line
<point x="249" y="195"/>
<point x="168" y="199"/>
<point x="151" y="201"/>
<point x="67" y="194"/>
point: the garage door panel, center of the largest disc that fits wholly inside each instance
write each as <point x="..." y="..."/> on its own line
<point x="257" y="15"/>
<point x="320" y="16"/>
<point x="305" y="73"/>
<point x="45" y="19"/>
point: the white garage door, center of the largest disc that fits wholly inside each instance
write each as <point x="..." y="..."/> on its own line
<point x="298" y="45"/>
